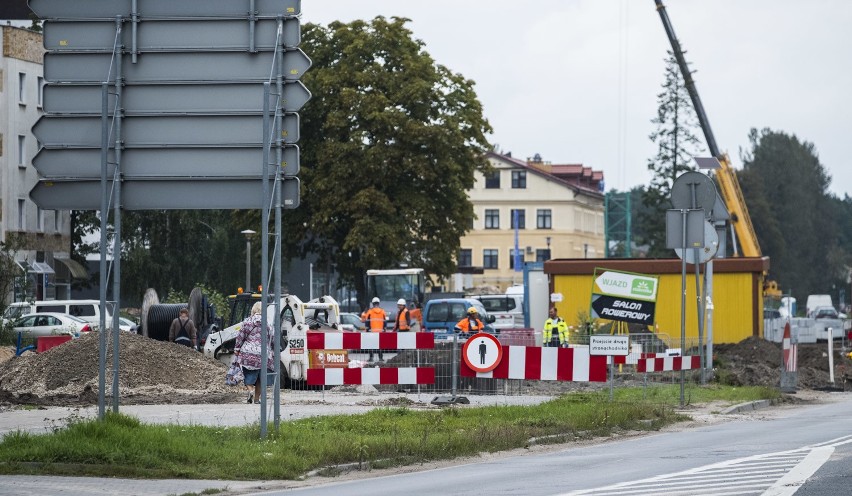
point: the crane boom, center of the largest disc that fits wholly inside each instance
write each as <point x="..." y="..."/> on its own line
<point x="729" y="185"/>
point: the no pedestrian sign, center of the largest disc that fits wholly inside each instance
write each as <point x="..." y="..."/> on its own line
<point x="482" y="352"/>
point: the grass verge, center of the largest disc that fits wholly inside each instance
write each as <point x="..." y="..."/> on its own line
<point x="122" y="446"/>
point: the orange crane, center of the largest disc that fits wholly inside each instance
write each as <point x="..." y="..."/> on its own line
<point x="726" y="178"/>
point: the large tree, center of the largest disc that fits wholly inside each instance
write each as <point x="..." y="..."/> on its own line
<point x="798" y="223"/>
<point x="390" y="143"/>
<point x="676" y="145"/>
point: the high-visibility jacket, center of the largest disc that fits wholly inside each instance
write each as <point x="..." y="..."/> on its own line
<point x="470" y="325"/>
<point x="559" y="326"/>
<point x="417" y="314"/>
<point x="375" y="319"/>
<point x="403" y="321"/>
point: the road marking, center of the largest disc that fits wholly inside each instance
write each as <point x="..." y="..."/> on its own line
<point x="772" y="474"/>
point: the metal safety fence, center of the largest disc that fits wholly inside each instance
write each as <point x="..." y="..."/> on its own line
<point x="415" y="363"/>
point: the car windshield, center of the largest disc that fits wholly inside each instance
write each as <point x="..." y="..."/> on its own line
<point x="826" y="313"/>
<point x="348" y="318"/>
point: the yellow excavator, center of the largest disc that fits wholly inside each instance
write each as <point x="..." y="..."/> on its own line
<point x="726" y="178"/>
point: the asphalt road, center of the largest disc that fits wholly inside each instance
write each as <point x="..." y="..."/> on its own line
<point x="805" y="449"/>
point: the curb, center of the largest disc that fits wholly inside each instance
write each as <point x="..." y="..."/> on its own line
<point x="747" y="407"/>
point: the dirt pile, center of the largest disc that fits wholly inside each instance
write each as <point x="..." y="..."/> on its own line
<point x="150" y="371"/>
<point x="757" y="362"/>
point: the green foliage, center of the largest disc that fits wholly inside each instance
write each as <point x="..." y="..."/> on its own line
<point x="173" y="249"/>
<point x="676" y="145"/>
<point x="805" y="230"/>
<point x="121" y="446"/>
<point x="214" y="297"/>
<point x="391" y="141"/>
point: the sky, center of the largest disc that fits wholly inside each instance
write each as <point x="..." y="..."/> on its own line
<point x="577" y="80"/>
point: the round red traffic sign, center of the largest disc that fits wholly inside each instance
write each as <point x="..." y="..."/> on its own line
<point x="482" y="352"/>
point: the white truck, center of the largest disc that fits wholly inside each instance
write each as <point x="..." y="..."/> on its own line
<point x="297" y="318"/>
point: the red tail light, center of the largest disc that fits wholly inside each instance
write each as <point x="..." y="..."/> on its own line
<point x="86" y="328"/>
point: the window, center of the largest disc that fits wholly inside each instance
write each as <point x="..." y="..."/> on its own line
<point x="542" y="255"/>
<point x="492" y="181"/>
<point x="22" y="85"/>
<point x="492" y="219"/>
<point x="22" y="214"/>
<point x="512" y="257"/>
<point x="542" y="219"/>
<point x="22" y="151"/>
<point x="465" y="257"/>
<point x="39" y="219"/>
<point x="40" y="81"/>
<point x="522" y="218"/>
<point x="519" y="179"/>
<point x="489" y="259"/>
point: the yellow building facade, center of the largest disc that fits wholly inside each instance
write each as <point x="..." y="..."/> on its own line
<point x="737" y="293"/>
<point x="560" y="214"/>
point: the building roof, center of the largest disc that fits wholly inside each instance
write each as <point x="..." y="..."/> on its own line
<point x="579" y="178"/>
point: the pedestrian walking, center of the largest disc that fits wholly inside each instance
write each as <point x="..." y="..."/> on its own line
<point x="248" y="346"/>
<point x="183" y="331"/>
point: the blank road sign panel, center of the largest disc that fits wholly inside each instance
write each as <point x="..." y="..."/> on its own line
<point x="153" y="35"/>
<point x="156" y="67"/>
<point x="140" y="163"/>
<point x="235" y="98"/>
<point x="163" y="131"/>
<point x="193" y="194"/>
<point x="99" y="9"/>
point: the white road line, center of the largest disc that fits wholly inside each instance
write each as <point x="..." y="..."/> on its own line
<point x="793" y="480"/>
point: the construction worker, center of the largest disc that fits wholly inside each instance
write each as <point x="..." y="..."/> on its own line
<point x="555" y="333"/>
<point x="470" y="324"/>
<point x="375" y="319"/>
<point x="403" y="317"/>
<point x="417" y="315"/>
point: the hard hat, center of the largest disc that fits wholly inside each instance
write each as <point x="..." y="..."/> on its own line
<point x="401" y="301"/>
<point x="376" y="299"/>
<point x="471" y="310"/>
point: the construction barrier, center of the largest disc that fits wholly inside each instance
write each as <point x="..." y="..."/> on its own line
<point x="390" y="341"/>
<point x="545" y="364"/>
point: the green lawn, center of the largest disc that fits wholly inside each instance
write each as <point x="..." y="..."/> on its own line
<point x="122" y="446"/>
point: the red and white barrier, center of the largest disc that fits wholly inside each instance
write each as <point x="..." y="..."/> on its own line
<point x="370" y="340"/>
<point x="660" y="362"/>
<point x="545" y="364"/>
<point x="356" y="376"/>
<point x="791" y="350"/>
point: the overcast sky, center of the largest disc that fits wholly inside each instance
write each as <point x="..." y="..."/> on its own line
<point x="577" y="80"/>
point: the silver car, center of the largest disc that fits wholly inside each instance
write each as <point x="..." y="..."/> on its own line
<point x="51" y="324"/>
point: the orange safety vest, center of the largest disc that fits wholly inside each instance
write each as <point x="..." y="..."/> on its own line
<point x="417" y="314"/>
<point x="403" y="320"/>
<point x="375" y="318"/>
<point x="466" y="326"/>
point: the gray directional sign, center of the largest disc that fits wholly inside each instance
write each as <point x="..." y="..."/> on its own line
<point x="155" y="35"/>
<point x="168" y="67"/>
<point x="99" y="9"/>
<point x="163" y="131"/>
<point x="198" y="193"/>
<point x="235" y="98"/>
<point x="191" y="106"/>
<point x="144" y="163"/>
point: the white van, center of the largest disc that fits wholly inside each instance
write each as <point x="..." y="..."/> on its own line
<point x="815" y="301"/>
<point x="88" y="310"/>
<point x="507" y="309"/>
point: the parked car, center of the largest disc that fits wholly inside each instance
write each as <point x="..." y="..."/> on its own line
<point x="441" y="316"/>
<point x="351" y="322"/>
<point x="88" y="310"/>
<point x="507" y="309"/>
<point x="51" y="324"/>
<point x="128" y="325"/>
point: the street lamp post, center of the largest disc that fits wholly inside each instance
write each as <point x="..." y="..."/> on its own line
<point x="248" y="233"/>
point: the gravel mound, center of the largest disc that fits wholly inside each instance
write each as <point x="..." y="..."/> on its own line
<point x="150" y="372"/>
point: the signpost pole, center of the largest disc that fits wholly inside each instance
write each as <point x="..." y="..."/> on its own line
<point x="264" y="214"/>
<point x="683" y="304"/>
<point x="116" y="217"/>
<point x="455" y="363"/>
<point x="276" y="253"/>
<point x="103" y="266"/>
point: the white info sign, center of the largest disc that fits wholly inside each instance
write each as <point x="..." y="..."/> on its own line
<point x="609" y="345"/>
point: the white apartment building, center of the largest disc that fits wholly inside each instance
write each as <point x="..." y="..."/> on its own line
<point x="559" y="211"/>
<point x="42" y="238"/>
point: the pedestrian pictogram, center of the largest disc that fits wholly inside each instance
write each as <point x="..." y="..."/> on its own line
<point x="482" y="352"/>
